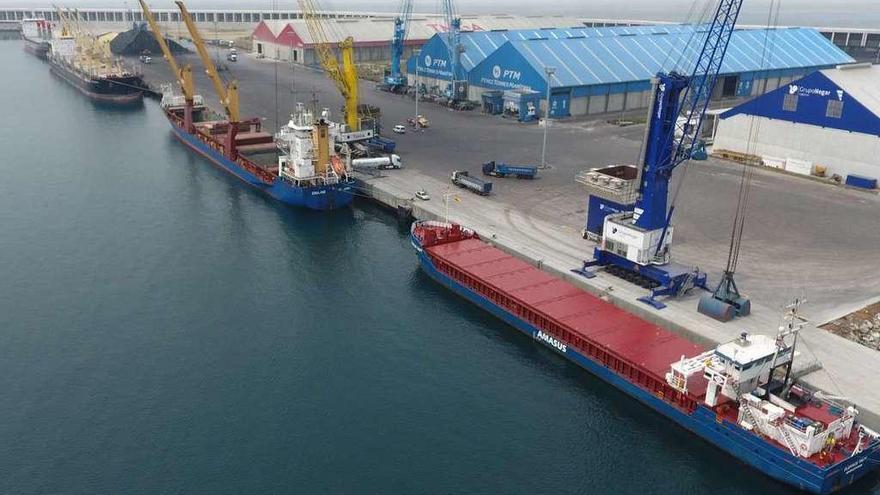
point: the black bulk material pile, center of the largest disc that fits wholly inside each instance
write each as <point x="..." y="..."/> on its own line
<point x="138" y="40"/>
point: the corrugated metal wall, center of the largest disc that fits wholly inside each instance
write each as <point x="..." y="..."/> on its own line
<point x="842" y="152"/>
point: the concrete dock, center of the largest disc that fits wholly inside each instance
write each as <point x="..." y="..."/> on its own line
<point x="801" y="236"/>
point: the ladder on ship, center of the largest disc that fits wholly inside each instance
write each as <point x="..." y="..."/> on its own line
<point x="789" y="442"/>
<point x="746" y="410"/>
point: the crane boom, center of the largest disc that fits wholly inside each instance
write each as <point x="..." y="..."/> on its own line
<point x="184" y="76"/>
<point x="344" y="77"/>
<point x="687" y="96"/>
<point x="66" y="28"/>
<point x="228" y="94"/>
<point x="453" y="39"/>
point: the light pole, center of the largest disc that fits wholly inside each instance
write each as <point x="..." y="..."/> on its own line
<point x="448" y="194"/>
<point x="549" y="71"/>
<point x="418" y="55"/>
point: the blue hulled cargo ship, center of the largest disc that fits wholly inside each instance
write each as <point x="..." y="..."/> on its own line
<point x="296" y="166"/>
<point x="738" y="396"/>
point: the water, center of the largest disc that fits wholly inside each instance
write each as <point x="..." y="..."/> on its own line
<point x="166" y="330"/>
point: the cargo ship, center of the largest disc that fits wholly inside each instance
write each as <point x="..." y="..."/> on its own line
<point x="36" y="34"/>
<point x="297" y="166"/>
<point x="738" y="396"/>
<point x="86" y="64"/>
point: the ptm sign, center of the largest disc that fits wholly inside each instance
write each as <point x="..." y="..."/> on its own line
<point x="499" y="73"/>
<point x="434" y="63"/>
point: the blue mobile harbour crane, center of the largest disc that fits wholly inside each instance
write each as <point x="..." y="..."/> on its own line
<point x="457" y="89"/>
<point x="636" y="243"/>
<point x="395" y="79"/>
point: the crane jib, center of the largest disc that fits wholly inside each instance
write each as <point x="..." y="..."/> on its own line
<point x="671" y="140"/>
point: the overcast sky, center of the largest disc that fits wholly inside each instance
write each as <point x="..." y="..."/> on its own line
<point x="854" y="13"/>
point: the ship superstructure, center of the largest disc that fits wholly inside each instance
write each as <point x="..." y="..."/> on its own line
<point x="308" y="150"/>
<point x="739" y="380"/>
<point x="36" y="33"/>
<point x="739" y="396"/>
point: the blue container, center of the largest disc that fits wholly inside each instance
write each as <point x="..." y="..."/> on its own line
<point x="861" y="182"/>
<point x="493" y="102"/>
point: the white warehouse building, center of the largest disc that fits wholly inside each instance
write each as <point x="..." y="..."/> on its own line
<point x="827" y="120"/>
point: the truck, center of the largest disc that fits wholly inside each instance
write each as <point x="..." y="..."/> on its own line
<point x="379" y="162"/>
<point x="504" y="170"/>
<point x="462" y="179"/>
<point x="419" y="122"/>
<point x="384" y="145"/>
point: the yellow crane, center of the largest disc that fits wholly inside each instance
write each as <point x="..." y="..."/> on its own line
<point x="228" y="94"/>
<point x="66" y="29"/>
<point x="99" y="54"/>
<point x="184" y="76"/>
<point x="345" y="77"/>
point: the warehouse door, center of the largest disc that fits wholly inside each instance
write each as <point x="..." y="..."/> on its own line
<point x="559" y="103"/>
<point x="729" y="86"/>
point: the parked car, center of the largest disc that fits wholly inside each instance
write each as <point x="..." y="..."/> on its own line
<point x="423" y="195"/>
<point x="146" y="59"/>
<point x="399" y="129"/>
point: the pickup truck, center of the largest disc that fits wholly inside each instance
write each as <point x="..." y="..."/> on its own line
<point x="504" y="170"/>
<point x="462" y="179"/>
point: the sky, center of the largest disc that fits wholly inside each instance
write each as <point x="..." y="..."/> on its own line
<point x="823" y="13"/>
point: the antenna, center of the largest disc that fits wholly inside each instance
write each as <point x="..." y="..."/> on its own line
<point x="793" y="325"/>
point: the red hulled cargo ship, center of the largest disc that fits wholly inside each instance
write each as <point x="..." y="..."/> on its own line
<point x="738" y="396"/>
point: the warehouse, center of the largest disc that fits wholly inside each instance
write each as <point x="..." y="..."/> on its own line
<point x="598" y="73"/>
<point x="290" y="39"/>
<point x="435" y="70"/>
<point x="828" y="120"/>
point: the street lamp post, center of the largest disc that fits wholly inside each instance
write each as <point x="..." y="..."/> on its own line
<point x="448" y="194"/>
<point x="417" y="54"/>
<point x="549" y="71"/>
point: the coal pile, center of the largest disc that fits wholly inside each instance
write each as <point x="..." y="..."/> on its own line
<point x="138" y="40"/>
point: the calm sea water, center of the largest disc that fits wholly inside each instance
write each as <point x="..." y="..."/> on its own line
<point x="163" y="329"/>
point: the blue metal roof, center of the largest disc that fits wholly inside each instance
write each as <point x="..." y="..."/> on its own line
<point x="480" y="44"/>
<point x="595" y="60"/>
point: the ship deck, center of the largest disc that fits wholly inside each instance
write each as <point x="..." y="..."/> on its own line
<point x="565" y="311"/>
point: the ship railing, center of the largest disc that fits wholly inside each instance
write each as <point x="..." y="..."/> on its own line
<point x="435" y="223"/>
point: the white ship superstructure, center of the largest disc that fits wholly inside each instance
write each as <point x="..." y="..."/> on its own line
<point x="307" y="149"/>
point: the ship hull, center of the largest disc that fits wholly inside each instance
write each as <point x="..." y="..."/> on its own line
<point x="322" y="198"/>
<point x="702" y="421"/>
<point x="39" y="49"/>
<point x="122" y="93"/>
